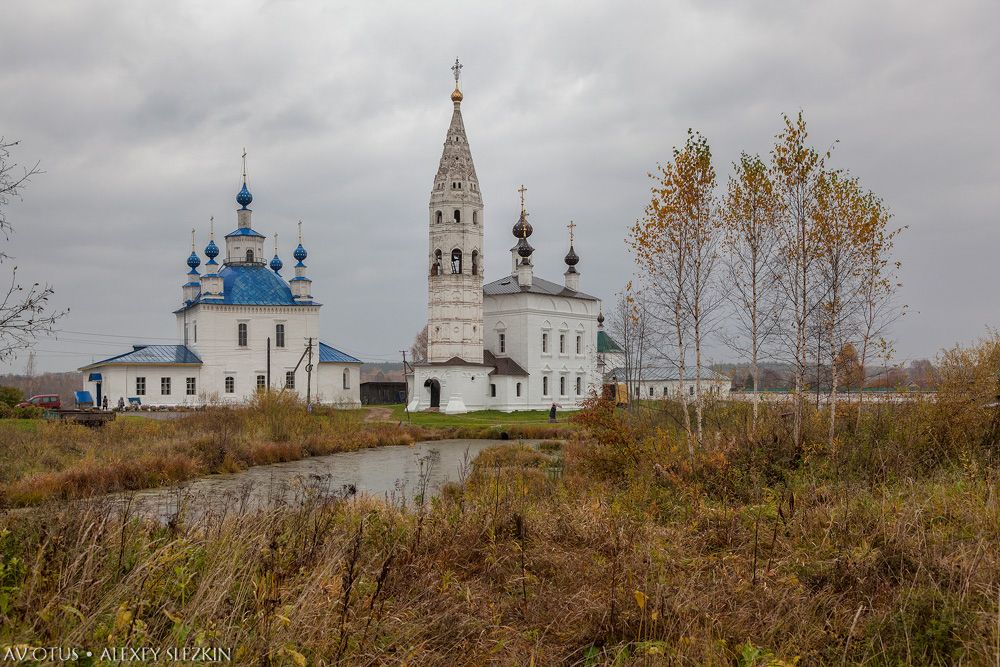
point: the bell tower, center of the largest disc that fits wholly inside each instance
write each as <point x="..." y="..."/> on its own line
<point x="455" y="258"/>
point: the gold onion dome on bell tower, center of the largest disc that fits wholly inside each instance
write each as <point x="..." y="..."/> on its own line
<point x="456" y="96"/>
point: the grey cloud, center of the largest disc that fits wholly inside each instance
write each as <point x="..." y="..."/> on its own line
<point x="139" y="111"/>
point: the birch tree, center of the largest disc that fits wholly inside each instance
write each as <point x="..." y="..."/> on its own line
<point x="675" y="246"/>
<point x="797" y="168"/>
<point x="749" y="214"/>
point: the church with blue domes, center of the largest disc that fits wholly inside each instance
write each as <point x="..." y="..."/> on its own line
<point x="243" y="327"/>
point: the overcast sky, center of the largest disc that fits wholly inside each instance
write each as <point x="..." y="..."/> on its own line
<point x="138" y="113"/>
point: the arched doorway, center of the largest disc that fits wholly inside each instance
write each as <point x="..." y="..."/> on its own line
<point x="435" y="388"/>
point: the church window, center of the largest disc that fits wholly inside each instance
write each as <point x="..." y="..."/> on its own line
<point x="579" y="342"/>
<point x="579" y="385"/>
<point x="493" y="390"/>
<point x="503" y="343"/>
<point x="457" y="215"/>
<point x="230" y="384"/>
<point x="249" y="255"/>
<point x="261" y="382"/>
<point x="545" y="343"/>
<point x="436" y="269"/>
<point x="545" y="386"/>
<point x="140" y="386"/>
<point x="440" y="217"/>
<point x="279" y="335"/>
<point x="664" y="392"/>
<point x="475" y="217"/>
<point x="196" y="332"/>
<point x="289" y="379"/>
<point x="190" y="386"/>
<point x="456" y="261"/>
<point x="475" y="262"/>
<point x="347" y="378"/>
<point x="165" y="386"/>
<point x="562" y="343"/>
<point x="651" y="392"/>
<point x="691" y="390"/>
<point x="562" y="386"/>
<point x="517" y="389"/>
<point x="241" y="334"/>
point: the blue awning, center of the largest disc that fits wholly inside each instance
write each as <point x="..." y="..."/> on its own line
<point x="94" y="377"/>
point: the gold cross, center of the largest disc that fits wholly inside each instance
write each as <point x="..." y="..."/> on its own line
<point x="522" y="190"/>
<point x="571" y="226"/>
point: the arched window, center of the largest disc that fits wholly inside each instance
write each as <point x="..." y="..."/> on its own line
<point x="475" y="262"/>
<point x="475" y="217"/>
<point x="457" y="215"/>
<point x="347" y="378"/>
<point x="440" y="217"/>
<point x="249" y="255"/>
<point x="456" y="261"/>
<point x="436" y="267"/>
<point x="518" y="388"/>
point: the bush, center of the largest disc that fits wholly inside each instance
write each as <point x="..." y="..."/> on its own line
<point x="11" y="396"/>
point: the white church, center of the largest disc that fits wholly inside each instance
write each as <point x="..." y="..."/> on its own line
<point x="520" y="342"/>
<point x="243" y="328"/>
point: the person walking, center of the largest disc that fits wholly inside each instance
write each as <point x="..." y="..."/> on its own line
<point x="552" y="414"/>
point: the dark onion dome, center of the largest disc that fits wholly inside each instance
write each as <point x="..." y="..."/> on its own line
<point x="244" y="197"/>
<point x="276" y="264"/>
<point x="571" y="257"/>
<point x="193" y="261"/>
<point x="524" y="248"/>
<point x="522" y="228"/>
<point x="600" y="318"/>
<point x="300" y="253"/>
<point x="211" y="250"/>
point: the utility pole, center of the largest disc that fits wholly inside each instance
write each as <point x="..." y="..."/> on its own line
<point x="309" y="374"/>
<point x="406" y="390"/>
<point x="269" y="363"/>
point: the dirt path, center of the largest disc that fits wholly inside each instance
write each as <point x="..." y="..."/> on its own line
<point x="378" y="415"/>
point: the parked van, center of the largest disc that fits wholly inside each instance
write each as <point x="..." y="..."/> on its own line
<point x="44" y="401"/>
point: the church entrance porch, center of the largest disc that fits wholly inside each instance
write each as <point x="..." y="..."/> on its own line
<point x="435" y="388"/>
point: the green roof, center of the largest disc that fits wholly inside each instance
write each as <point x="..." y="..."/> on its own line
<point x="606" y="343"/>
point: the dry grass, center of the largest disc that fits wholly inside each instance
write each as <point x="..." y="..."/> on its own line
<point x="617" y="548"/>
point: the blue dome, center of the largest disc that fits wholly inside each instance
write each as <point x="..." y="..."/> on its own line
<point x="276" y="264"/>
<point x="211" y="250"/>
<point x="193" y="261"/>
<point x="300" y="253"/>
<point x="244" y="197"/>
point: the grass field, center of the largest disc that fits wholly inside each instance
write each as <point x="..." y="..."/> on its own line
<point x="493" y="418"/>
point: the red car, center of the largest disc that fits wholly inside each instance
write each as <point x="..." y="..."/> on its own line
<point x="45" y="401"/>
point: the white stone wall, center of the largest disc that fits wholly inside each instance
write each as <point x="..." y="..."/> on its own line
<point x="331" y="384"/>
<point x="523" y="317"/>
<point x="659" y="389"/>
<point x="463" y="388"/>
<point x="120" y="382"/>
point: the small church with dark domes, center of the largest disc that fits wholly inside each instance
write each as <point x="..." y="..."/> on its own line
<point x="243" y="327"/>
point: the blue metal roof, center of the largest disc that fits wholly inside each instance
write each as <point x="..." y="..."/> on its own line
<point x="253" y="285"/>
<point x="331" y="355"/>
<point x="244" y="231"/>
<point x="151" y="354"/>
